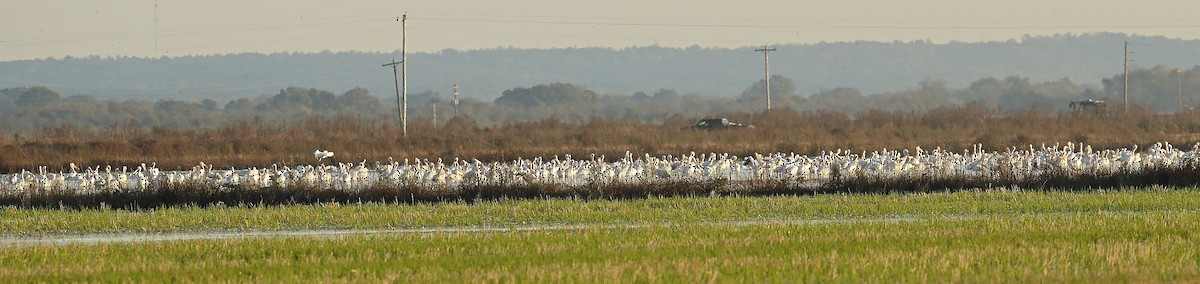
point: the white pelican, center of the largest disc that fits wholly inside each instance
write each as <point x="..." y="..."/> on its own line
<point x="322" y="154"/>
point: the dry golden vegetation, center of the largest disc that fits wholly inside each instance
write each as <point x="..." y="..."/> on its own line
<point x="247" y="144"/>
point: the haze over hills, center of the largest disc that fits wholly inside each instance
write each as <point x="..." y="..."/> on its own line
<point x="871" y="67"/>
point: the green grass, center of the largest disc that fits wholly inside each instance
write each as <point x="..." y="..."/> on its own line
<point x="1076" y="247"/>
<point x="374" y="216"/>
<point x="975" y="236"/>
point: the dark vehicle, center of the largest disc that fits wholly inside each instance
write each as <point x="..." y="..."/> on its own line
<point x="715" y="124"/>
<point x="1090" y="105"/>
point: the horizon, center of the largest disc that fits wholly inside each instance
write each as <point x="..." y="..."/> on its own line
<point x="1086" y="59"/>
<point x="613" y="48"/>
<point x="149" y="29"/>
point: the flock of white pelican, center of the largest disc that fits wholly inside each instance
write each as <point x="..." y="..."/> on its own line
<point x="1015" y="162"/>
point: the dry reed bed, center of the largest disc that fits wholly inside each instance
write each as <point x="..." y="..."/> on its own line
<point x="246" y="144"/>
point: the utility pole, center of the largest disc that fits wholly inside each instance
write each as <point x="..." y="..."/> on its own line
<point x="401" y="93"/>
<point x="1125" y="93"/>
<point x="404" y="69"/>
<point x="1179" y="86"/>
<point x="767" y="72"/>
<point x="155" y="29"/>
<point x="434" y="102"/>
<point x="455" y="100"/>
<point x="400" y="111"/>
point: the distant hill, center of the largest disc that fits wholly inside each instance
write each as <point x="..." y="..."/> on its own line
<point x="871" y="67"/>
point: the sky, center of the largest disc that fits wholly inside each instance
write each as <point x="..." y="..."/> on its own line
<point x="36" y="29"/>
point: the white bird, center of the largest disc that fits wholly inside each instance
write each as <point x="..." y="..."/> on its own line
<point x="322" y="154"/>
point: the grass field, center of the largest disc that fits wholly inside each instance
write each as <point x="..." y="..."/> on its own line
<point x="1143" y="235"/>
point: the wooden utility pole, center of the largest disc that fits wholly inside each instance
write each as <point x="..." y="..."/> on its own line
<point x="155" y="29"/>
<point x="455" y="100"/>
<point x="1125" y="93"/>
<point x="767" y="72"/>
<point x="401" y="90"/>
<point x="1179" y="86"/>
<point x="400" y="111"/>
<point x="404" y="70"/>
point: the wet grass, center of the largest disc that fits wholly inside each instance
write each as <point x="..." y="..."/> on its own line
<point x="15" y="221"/>
<point x="1128" y="235"/>
<point x="1152" y="246"/>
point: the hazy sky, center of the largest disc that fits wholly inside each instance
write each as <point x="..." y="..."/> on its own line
<point x="32" y="29"/>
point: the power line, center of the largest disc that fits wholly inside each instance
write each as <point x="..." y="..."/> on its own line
<point x="810" y="25"/>
<point x="628" y="22"/>
<point x="706" y="22"/>
<point x="198" y="31"/>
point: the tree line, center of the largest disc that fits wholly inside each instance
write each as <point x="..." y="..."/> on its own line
<point x="27" y="108"/>
<point x="869" y="66"/>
